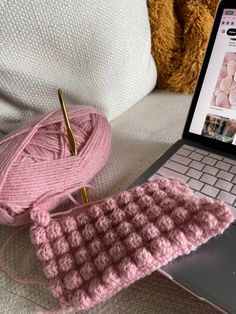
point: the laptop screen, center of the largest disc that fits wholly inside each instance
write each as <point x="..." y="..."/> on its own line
<point x="215" y="113"/>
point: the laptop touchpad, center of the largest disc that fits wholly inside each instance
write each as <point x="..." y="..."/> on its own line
<point x="211" y="270"/>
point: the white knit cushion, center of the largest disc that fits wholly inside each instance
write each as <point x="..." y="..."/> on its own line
<point x="98" y="52"/>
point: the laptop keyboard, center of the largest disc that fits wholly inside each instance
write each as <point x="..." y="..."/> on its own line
<point x="207" y="174"/>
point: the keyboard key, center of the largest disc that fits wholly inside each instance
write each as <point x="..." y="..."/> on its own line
<point x="233" y="209"/>
<point x="196" y="165"/>
<point x="230" y="161"/>
<point x="194" y="173"/>
<point x="224" y="185"/>
<point x="181" y="160"/>
<point x="184" y="152"/>
<point x="206" y="178"/>
<point x="196" y="156"/>
<point x="223" y="165"/>
<point x="227" y="197"/>
<point x="233" y="169"/>
<point x="154" y="177"/>
<point x="169" y="173"/>
<point x="233" y="190"/>
<point x="176" y="167"/>
<point x="210" y="190"/>
<point x="210" y="170"/>
<point x="188" y="147"/>
<point x="201" y="151"/>
<point x="195" y="184"/>
<point x="218" y="157"/>
<point x="200" y="195"/>
<point x="225" y="175"/>
<point x="209" y="161"/>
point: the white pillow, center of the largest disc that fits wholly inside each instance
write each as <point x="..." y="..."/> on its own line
<point x="98" y="52"/>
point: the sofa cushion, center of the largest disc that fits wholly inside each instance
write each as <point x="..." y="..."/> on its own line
<point x="98" y="52"/>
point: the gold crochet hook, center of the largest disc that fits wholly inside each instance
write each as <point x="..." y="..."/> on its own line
<point x="71" y="138"/>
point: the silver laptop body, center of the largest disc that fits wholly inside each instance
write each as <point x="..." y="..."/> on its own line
<point x="205" y="158"/>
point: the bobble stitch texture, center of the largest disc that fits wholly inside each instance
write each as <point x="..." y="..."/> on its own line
<point x="81" y="299"/>
<point x="207" y="220"/>
<point x="109" y="205"/>
<point x="145" y="202"/>
<point x="192" y="205"/>
<point x="40" y="217"/>
<point x="94" y="212"/>
<point x="143" y="257"/>
<point x="161" y="246"/>
<point x="102" y="224"/>
<point x="89" y="257"/>
<point x="82" y="255"/>
<point x="73" y="280"/>
<point x="131" y="210"/>
<point x="61" y="246"/>
<point x="66" y="262"/>
<point x="110" y="238"/>
<point x="110" y="277"/>
<point x="150" y="188"/>
<point x="167" y="205"/>
<point x="133" y="241"/>
<point x="220" y="211"/>
<point x="96" y="247"/>
<point x="38" y="235"/>
<point x="153" y="212"/>
<point x="69" y="224"/>
<point x="57" y="288"/>
<point x="82" y="219"/>
<point x="180" y="215"/>
<point x="96" y="288"/>
<point x="88" y="271"/>
<point x="117" y="251"/>
<point x="128" y="269"/>
<point x="193" y="231"/>
<point x="138" y="192"/>
<point x="75" y="239"/>
<point x="158" y="196"/>
<point x="124" y="198"/>
<point x="124" y="229"/>
<point x="139" y="220"/>
<point x="102" y="261"/>
<point x="149" y="232"/>
<point x="54" y="230"/>
<point x="178" y="237"/>
<point x="45" y="252"/>
<point x="117" y="216"/>
<point x="165" y="223"/>
<point x="51" y="269"/>
<point x="88" y="232"/>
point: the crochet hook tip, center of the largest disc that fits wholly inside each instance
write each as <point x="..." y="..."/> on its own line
<point x="70" y="135"/>
<point x="71" y="138"/>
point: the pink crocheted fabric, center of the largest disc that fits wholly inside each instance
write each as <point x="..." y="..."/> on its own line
<point x="101" y="248"/>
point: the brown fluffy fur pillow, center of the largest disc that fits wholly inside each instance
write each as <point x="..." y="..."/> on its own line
<point x="180" y="31"/>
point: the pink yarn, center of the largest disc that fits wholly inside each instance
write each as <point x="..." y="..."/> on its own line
<point x="101" y="248"/>
<point x="36" y="166"/>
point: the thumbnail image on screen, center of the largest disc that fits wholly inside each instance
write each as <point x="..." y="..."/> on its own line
<point x="219" y="128"/>
<point x="225" y="91"/>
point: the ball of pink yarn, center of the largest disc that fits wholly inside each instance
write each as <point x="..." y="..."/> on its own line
<point x="37" y="167"/>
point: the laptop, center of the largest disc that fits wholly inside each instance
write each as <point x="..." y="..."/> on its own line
<point x="205" y="158"/>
